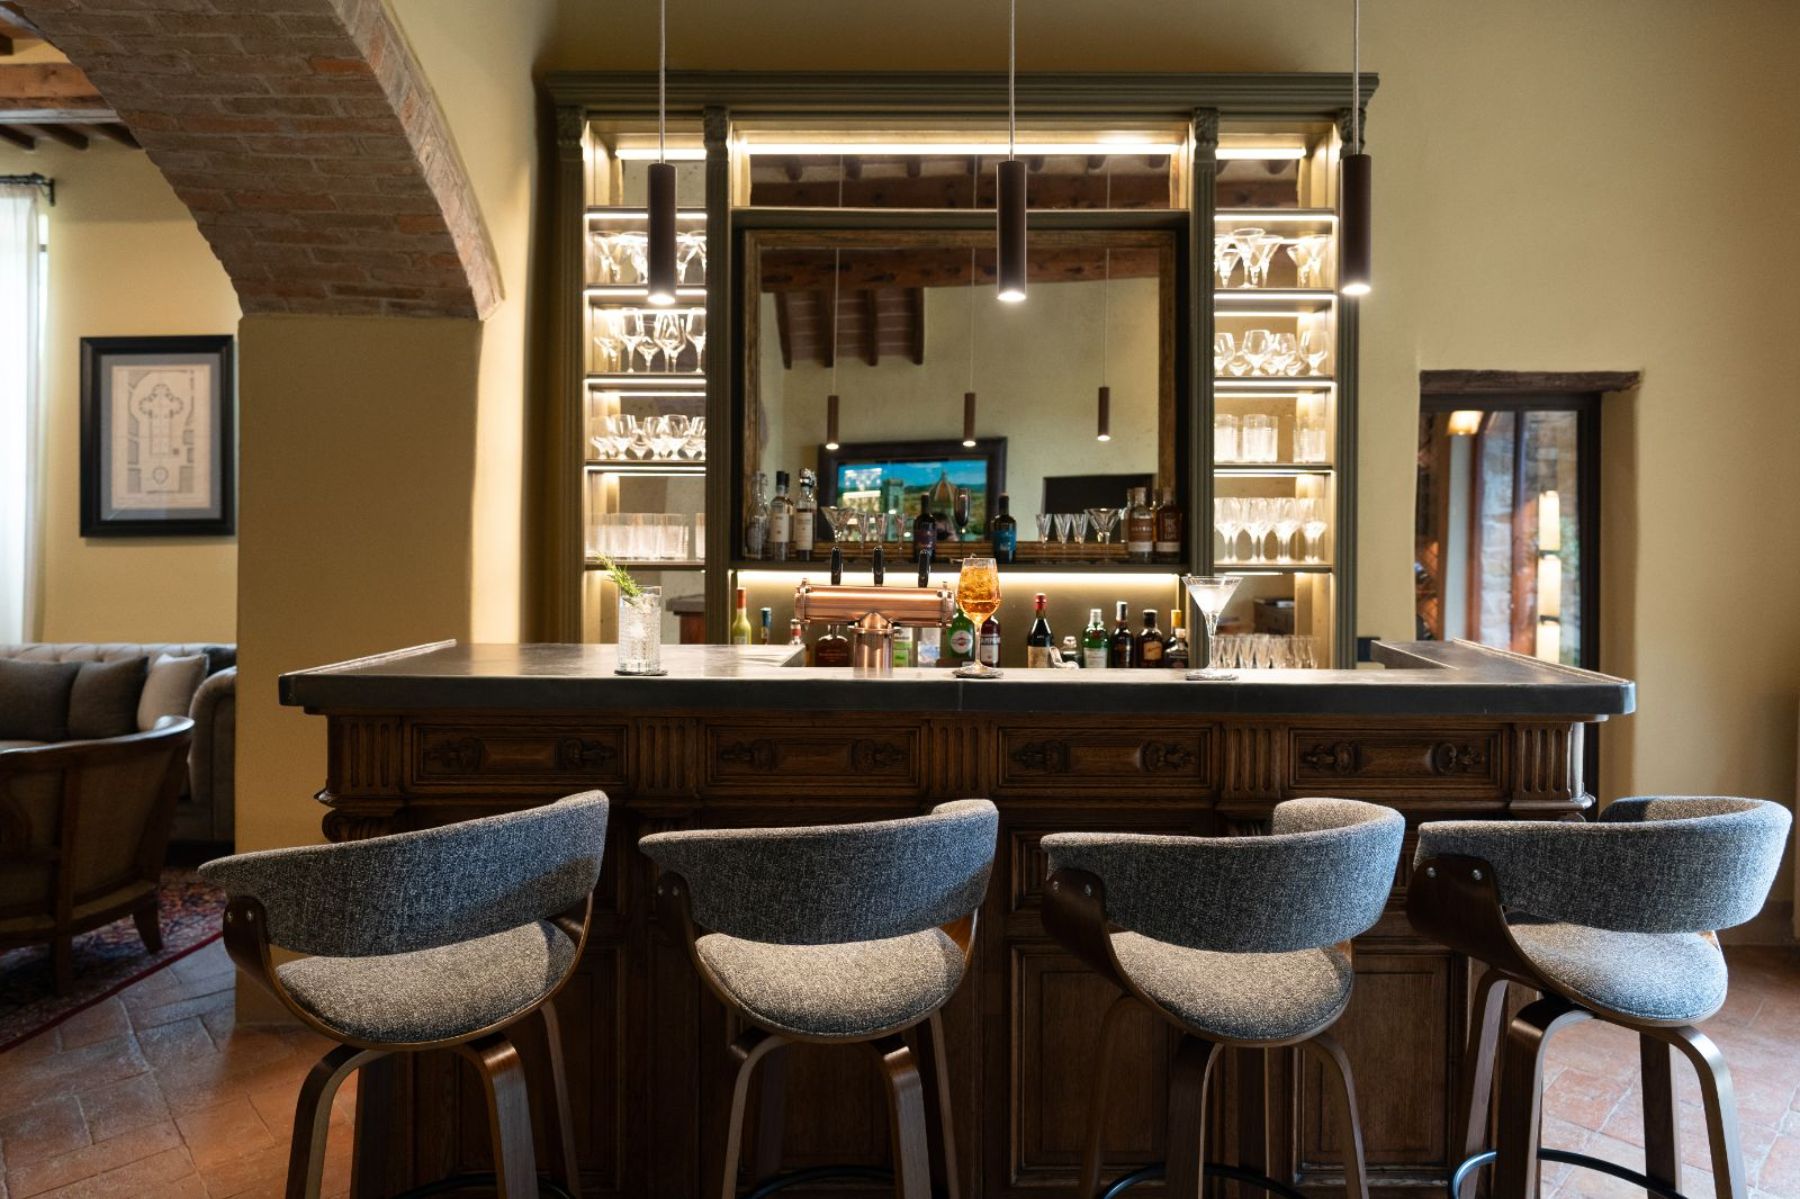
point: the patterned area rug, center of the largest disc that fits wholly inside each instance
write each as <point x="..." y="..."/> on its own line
<point x="106" y="960"/>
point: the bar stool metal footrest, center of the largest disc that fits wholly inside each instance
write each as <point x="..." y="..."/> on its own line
<point x="1568" y="1158"/>
<point x="780" y="1182"/>
<point x="1212" y="1170"/>
<point x="462" y="1182"/>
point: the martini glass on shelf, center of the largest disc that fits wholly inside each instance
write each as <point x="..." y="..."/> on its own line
<point x="1105" y="521"/>
<point x="1210" y="594"/>
<point x="978" y="595"/>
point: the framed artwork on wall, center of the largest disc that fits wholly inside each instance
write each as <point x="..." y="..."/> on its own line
<point x="158" y="443"/>
<point x="890" y="476"/>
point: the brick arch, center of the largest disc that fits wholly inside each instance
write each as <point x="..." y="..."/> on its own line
<point x="305" y="140"/>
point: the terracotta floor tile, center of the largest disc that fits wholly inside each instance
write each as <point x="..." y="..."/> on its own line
<point x="251" y="1172"/>
<point x="1583" y="1099"/>
<point x="101" y="1022"/>
<point x="223" y="1132"/>
<point x="89" y="1163"/>
<point x="154" y="1015"/>
<point x="1780" y="1170"/>
<point x="46" y="1129"/>
<point x="28" y="1081"/>
<point x="122" y="1106"/>
<point x="177" y="1043"/>
<point x="167" y="1174"/>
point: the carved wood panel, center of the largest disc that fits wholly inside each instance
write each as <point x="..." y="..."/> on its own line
<point x="1058" y="761"/>
<point x="539" y="757"/>
<point x="814" y="761"/>
<point x="1376" y="762"/>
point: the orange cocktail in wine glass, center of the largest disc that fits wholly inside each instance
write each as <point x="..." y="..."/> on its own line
<point x="978" y="595"/>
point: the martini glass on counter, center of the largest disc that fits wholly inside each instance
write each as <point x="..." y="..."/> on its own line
<point x="1210" y="594"/>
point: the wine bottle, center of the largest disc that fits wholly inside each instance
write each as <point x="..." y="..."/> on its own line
<point x="1093" y="642"/>
<point x="756" y="524"/>
<point x="1175" y="651"/>
<point x="1040" y="643"/>
<point x="989" y="648"/>
<point x="806" y="516"/>
<point x="781" y="520"/>
<point x="1169" y="524"/>
<point x="1149" y="648"/>
<point x="740" y="622"/>
<point x="1005" y="533"/>
<point x="1119" y="647"/>
<point x="925" y="529"/>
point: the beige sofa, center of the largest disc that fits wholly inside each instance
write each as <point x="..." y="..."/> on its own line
<point x="204" y="812"/>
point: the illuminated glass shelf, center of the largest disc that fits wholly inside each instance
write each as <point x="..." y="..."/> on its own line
<point x="608" y="466"/>
<point x="1244" y="386"/>
<point x="601" y="214"/>
<point x="650" y="564"/>
<point x="1272" y="470"/>
<point x="1272" y="568"/>
<point x="639" y="293"/>
<point x="1273" y="301"/>
<point x="686" y="383"/>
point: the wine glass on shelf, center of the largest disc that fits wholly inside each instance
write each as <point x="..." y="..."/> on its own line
<point x="631" y="249"/>
<point x="1228" y="518"/>
<point x="835" y="516"/>
<point x="695" y="447"/>
<point x="632" y="334"/>
<point x="1256" y="348"/>
<point x="1315" y="346"/>
<point x="1243" y="243"/>
<point x="1287" y="523"/>
<point x="1262" y="250"/>
<point x="1210" y="594"/>
<point x="696" y="333"/>
<point x="1312" y="527"/>
<point x="1224" y="350"/>
<point x="1078" y="527"/>
<point x="606" y="341"/>
<point x="1105" y="521"/>
<point x="1225" y="257"/>
<point x="689" y="246"/>
<point x="1300" y="253"/>
<point x="1258" y="519"/>
<point x="1285" y="360"/>
<point x="1046" y="525"/>
<point x="671" y="337"/>
<point x="978" y="595"/>
<point x="1063" y="520"/>
<point x="1318" y="255"/>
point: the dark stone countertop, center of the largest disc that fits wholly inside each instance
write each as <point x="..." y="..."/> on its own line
<point x="1420" y="678"/>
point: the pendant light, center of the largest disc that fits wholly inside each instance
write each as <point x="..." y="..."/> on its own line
<point x="1103" y="420"/>
<point x="1354" y="179"/>
<point x="831" y="401"/>
<point x="1009" y="192"/>
<point x="660" y="252"/>
<point x="968" y="437"/>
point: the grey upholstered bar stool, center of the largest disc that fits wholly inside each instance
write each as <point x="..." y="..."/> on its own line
<point x="1613" y="921"/>
<point x="440" y="939"/>
<point x="836" y="934"/>
<point x="1239" y="942"/>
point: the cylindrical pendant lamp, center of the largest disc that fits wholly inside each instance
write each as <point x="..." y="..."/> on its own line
<point x="1103" y="431"/>
<point x="969" y="419"/>
<point x="660" y="251"/>
<point x="831" y="422"/>
<point x="1010" y="197"/>
<point x="1356" y="276"/>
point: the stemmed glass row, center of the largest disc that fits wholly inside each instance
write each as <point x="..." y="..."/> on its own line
<point x="624" y="335"/>
<point x="621" y="257"/>
<point x="1254" y="248"/>
<point x="675" y="437"/>
<point x="1264" y="353"/>
<point x="1258" y="516"/>
<point x="1265" y="651"/>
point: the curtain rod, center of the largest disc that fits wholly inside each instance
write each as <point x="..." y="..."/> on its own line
<point x="43" y="181"/>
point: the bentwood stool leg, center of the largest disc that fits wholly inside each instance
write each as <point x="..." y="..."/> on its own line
<point x="1729" y="1178"/>
<point x="1096" y="1125"/>
<point x="509" y="1114"/>
<point x="934" y="1066"/>
<point x="771" y="1114"/>
<point x="750" y="1048"/>
<point x="1337" y="1069"/>
<point x="906" y="1111"/>
<point x="1662" y="1122"/>
<point x="1475" y="1097"/>
<point x="1522" y="1093"/>
<point x="312" y="1117"/>
<point x="1188" y="1079"/>
<point x="560" y="1122"/>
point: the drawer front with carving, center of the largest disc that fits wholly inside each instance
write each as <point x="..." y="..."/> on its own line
<point x="821" y="761"/>
<point x="1073" y="761"/>
<point x="510" y="755"/>
<point x="1356" y="760"/>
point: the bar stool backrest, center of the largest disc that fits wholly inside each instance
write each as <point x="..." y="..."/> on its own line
<point x="832" y="884"/>
<point x="425" y="889"/>
<point x="1675" y="864"/>
<point x="1322" y="876"/>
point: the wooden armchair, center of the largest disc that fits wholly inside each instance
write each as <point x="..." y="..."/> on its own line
<point x="84" y="826"/>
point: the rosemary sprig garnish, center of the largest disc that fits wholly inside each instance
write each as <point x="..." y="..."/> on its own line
<point x="628" y="586"/>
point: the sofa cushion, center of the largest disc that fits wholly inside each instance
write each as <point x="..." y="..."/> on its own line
<point x="169" y="688"/>
<point x="34" y="699"/>
<point x="104" y="700"/>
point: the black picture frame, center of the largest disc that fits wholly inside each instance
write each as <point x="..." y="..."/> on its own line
<point x="197" y="433"/>
<point x="990" y="451"/>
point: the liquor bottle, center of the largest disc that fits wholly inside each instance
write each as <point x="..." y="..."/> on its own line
<point x="1175" y="651"/>
<point x="1119" y="647"/>
<point x="1149" y="648"/>
<point x="1093" y="642"/>
<point x="796" y="632"/>
<point x="781" y="520"/>
<point x="740" y="623"/>
<point x="960" y="648"/>
<point x="1005" y="533"/>
<point x="1071" y="651"/>
<point x="1169" y="525"/>
<point x="768" y="618"/>
<point x="943" y="504"/>
<point x="903" y="646"/>
<point x="925" y="528"/>
<point x="989" y="647"/>
<point x="833" y="649"/>
<point x="1140" y="524"/>
<point x="756" y="525"/>
<point x="1040" y="643"/>
<point x="806" y="516"/>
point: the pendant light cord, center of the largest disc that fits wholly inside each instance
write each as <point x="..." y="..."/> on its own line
<point x="1356" y="74"/>
<point x="662" y="80"/>
<point x="971" y="318"/>
<point x="837" y="269"/>
<point x="1106" y="321"/>
<point x="1012" y="75"/>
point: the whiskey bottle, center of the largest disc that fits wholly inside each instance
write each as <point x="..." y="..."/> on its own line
<point x="989" y="646"/>
<point x="1140" y="525"/>
<point x="925" y="529"/>
<point x="1040" y="644"/>
<point x="1119" y="648"/>
<point x="1175" y="651"/>
<point x="1168" y="528"/>
<point x="781" y="520"/>
<point x="806" y="516"/>
<point x="756" y="524"/>
<point x="833" y="649"/>
<point x="1005" y="533"/>
<point x="1071" y="652"/>
<point x="1093" y="642"/>
<point x="740" y="622"/>
<point x="1149" y="648"/>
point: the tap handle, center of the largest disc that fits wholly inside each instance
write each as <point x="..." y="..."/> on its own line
<point x="879" y="565"/>
<point x="837" y="566"/>
<point x="925" y="568"/>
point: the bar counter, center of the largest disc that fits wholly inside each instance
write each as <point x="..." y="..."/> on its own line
<point x="740" y="736"/>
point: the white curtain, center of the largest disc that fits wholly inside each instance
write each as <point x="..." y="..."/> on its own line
<point x="21" y="345"/>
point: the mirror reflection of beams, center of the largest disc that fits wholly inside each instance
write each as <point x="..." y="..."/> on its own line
<point x="903" y="342"/>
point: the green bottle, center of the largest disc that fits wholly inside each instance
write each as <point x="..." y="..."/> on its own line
<point x="1094" y="642"/>
<point x="960" y="648"/>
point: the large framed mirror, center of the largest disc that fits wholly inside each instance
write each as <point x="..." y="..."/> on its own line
<point x="902" y="325"/>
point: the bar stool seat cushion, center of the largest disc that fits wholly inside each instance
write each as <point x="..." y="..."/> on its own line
<point x="853" y="989"/>
<point x="1239" y="996"/>
<point x="432" y="994"/>
<point x="1673" y="977"/>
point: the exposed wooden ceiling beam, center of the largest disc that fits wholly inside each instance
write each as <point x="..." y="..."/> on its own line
<point x="50" y="93"/>
<point x="915" y="315"/>
<point x="931" y="266"/>
<point x="18" y="137"/>
<point x="872" y="327"/>
<point x="62" y="133"/>
<point x="117" y="133"/>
